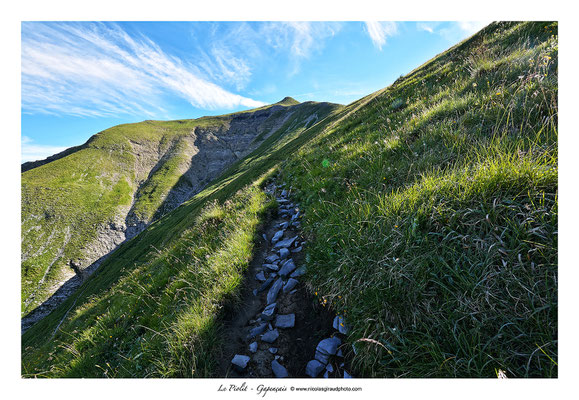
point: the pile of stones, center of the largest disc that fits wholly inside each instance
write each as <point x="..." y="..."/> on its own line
<point x="280" y="276"/>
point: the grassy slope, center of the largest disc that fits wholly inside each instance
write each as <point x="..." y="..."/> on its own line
<point x="431" y="211"/>
<point x="157" y="297"/>
<point x="64" y="200"/>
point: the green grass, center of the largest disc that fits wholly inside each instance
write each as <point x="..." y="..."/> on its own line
<point x="433" y="226"/>
<point x="431" y="217"/>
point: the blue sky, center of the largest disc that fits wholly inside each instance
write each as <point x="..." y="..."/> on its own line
<point x="83" y="77"/>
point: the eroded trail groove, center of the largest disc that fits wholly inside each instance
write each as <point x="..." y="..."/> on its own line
<point x="279" y="330"/>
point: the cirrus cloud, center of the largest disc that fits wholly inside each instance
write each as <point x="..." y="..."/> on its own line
<point x="99" y="70"/>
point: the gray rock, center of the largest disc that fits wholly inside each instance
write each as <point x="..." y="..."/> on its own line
<point x="274" y="290"/>
<point x="329" y="368"/>
<point x="313" y="368"/>
<point x="283" y="193"/>
<point x="282" y="201"/>
<point x="285" y="243"/>
<point x="273" y="350"/>
<point x="326" y="374"/>
<point x="276" y="237"/>
<point x="258" y="330"/>
<point x="299" y="272"/>
<point x="278" y="370"/>
<point x="270" y="336"/>
<point x="347" y="375"/>
<point x="283" y="225"/>
<point x="287" y="268"/>
<point x="264" y="237"/>
<point x="271" y="267"/>
<point x="253" y="347"/>
<point x="271" y="259"/>
<point x="284" y="253"/>
<point x="297" y="249"/>
<point x="326" y="348"/>
<point x="340" y="325"/>
<point x="291" y="283"/>
<point x="285" y="321"/>
<point x="339" y="353"/>
<point x="240" y="361"/>
<point x="295" y="216"/>
<point x="268" y="312"/>
<point x="265" y="284"/>
<point x="260" y="276"/>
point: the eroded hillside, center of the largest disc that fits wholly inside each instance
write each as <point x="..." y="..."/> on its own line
<point x="78" y="208"/>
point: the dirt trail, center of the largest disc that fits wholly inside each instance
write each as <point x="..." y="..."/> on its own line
<point x="295" y="346"/>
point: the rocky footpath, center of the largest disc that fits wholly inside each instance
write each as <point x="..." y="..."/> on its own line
<point x="279" y="330"/>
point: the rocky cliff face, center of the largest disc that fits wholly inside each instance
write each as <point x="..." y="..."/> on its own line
<point x="151" y="168"/>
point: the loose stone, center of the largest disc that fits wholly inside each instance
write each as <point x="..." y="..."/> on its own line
<point x="285" y="243"/>
<point x="260" y="276"/>
<point x="297" y="249"/>
<point x="299" y="272"/>
<point x="258" y="330"/>
<point x="340" y="325"/>
<point x="271" y="267"/>
<point x="271" y="259"/>
<point x="327" y="348"/>
<point x="313" y="368"/>
<point x="274" y="290"/>
<point x="270" y="336"/>
<point x="278" y="370"/>
<point x="329" y="368"/>
<point x="265" y="284"/>
<point x="240" y="361"/>
<point x="287" y="268"/>
<point x="253" y="347"/>
<point x="284" y="193"/>
<point x="273" y="350"/>
<point x="284" y="225"/>
<point x="347" y="375"/>
<point x="291" y="283"/>
<point x="284" y="253"/>
<point x="276" y="237"/>
<point x="268" y="312"/>
<point x="264" y="237"/>
<point x="285" y="321"/>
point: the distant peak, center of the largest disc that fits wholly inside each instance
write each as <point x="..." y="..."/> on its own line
<point x="288" y="101"/>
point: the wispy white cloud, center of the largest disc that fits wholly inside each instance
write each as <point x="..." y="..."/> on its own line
<point x="301" y="38"/>
<point x="380" y="31"/>
<point x="427" y="26"/>
<point x="32" y="151"/>
<point x="99" y="70"/>
<point x="452" y="31"/>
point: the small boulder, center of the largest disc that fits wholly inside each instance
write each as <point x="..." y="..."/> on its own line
<point x="276" y="237"/>
<point x="268" y="312"/>
<point x="270" y="336"/>
<point x="274" y="290"/>
<point x="299" y="272"/>
<point x="284" y="253"/>
<point x="326" y="348"/>
<point x="258" y="330"/>
<point x="278" y="370"/>
<point x="285" y="321"/>
<point x="271" y="259"/>
<point x="291" y="283"/>
<point x="340" y="325"/>
<point x="287" y="268"/>
<point x="260" y="276"/>
<point x="240" y="361"/>
<point x="313" y="368"/>
<point x="253" y="347"/>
